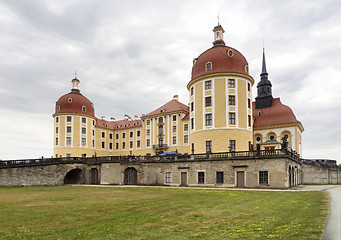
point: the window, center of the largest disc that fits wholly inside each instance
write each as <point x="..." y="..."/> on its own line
<point x="232" y="145"/>
<point x="148" y="132"/>
<point x="220" y="177"/>
<point x="68" y="155"/>
<point x="208" y="67"/>
<point x="148" y="142"/>
<point x="168" y="177"/>
<point x="110" y="145"/>
<point x="93" y="143"/>
<point x="186" y="127"/>
<point x="231" y="83"/>
<point x="93" y="122"/>
<point x="174" y="140"/>
<point x="83" y="141"/>
<point x="192" y="123"/>
<point x="230" y="53"/>
<point x="232" y="118"/>
<point x="201" y="177"/>
<point x="56" y="129"/>
<point x="208" y="146"/>
<point x="263" y="177"/>
<point x="117" y="146"/>
<point x="68" y="118"/>
<point x="161" y="129"/>
<point x="209" y="119"/>
<point x="249" y="87"/>
<point x="131" y="134"/>
<point x="208" y="101"/>
<point x="186" y="139"/>
<point x="57" y="119"/>
<point x="123" y="135"/>
<point x="83" y="120"/>
<point x="272" y="137"/>
<point x="70" y="100"/>
<point x="232" y="99"/>
<point x="138" y="133"/>
<point x="174" y="129"/>
<point x="117" y="135"/>
<point x="248" y="103"/>
<point x="123" y="145"/>
<point x="103" y="134"/>
<point x="249" y="120"/>
<point x="160" y="119"/>
<point x="68" y="140"/>
<point x="148" y="122"/>
<point x="110" y="135"/>
<point x="138" y="143"/>
<point x="93" y="132"/>
<point x="83" y="130"/>
<point x="174" y="117"/>
<point x="258" y="139"/>
<point x="84" y="109"/>
<point x="56" y="141"/>
<point x="208" y="85"/>
<point x="192" y="91"/>
<point x="131" y="144"/>
<point x="68" y="129"/>
<point x="103" y="144"/>
<point x="192" y="106"/>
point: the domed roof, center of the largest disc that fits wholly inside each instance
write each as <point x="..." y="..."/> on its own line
<point x="74" y="102"/>
<point x="222" y="59"/>
<point x="277" y="114"/>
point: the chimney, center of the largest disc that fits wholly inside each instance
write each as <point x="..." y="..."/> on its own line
<point x="136" y="117"/>
<point x="176" y="97"/>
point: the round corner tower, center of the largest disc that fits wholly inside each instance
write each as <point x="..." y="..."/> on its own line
<point x="220" y="99"/>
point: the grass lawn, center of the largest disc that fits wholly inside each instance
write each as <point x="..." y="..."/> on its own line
<point x="80" y="212"/>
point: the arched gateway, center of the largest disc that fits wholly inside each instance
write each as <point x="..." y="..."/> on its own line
<point x="73" y="176"/>
<point x="130" y="176"/>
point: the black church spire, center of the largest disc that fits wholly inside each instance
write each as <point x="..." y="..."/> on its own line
<point x="264" y="88"/>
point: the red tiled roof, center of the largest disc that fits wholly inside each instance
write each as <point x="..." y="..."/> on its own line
<point x="171" y="106"/>
<point x="120" y="124"/>
<point x="75" y="104"/>
<point x="277" y="114"/>
<point x="220" y="60"/>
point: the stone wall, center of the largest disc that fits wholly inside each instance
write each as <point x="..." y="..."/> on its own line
<point x="316" y="173"/>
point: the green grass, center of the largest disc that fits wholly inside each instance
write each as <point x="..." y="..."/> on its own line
<point x="80" y="212"/>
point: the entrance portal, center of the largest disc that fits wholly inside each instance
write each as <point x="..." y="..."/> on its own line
<point x="94" y="176"/>
<point x="183" y="179"/>
<point x="130" y="176"/>
<point x="240" y="179"/>
<point x="73" y="176"/>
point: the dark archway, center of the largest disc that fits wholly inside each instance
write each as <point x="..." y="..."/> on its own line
<point x="73" y="176"/>
<point x="94" y="176"/>
<point x="130" y="176"/>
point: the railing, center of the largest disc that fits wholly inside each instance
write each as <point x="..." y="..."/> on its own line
<point x="248" y="155"/>
<point x="160" y="146"/>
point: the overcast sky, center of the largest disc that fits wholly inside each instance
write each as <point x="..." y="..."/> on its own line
<point x="133" y="56"/>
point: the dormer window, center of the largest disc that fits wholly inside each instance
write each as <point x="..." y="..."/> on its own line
<point x="70" y="100"/>
<point x="58" y="108"/>
<point x="84" y="109"/>
<point x="230" y="53"/>
<point x="208" y="66"/>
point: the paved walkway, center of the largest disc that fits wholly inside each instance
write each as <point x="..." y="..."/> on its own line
<point x="332" y="230"/>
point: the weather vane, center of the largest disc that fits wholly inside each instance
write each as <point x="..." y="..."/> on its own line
<point x="75" y="73"/>
<point x="218" y="18"/>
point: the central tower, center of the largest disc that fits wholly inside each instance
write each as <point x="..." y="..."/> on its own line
<point x="220" y="99"/>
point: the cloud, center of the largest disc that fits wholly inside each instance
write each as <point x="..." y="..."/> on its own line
<point x="133" y="56"/>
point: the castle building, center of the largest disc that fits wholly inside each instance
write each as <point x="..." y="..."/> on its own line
<point x="220" y="117"/>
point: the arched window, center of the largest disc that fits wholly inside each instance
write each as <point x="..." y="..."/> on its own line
<point x="84" y="108"/>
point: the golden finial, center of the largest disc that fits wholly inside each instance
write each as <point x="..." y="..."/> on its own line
<point x="218" y="19"/>
<point x="76" y="74"/>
